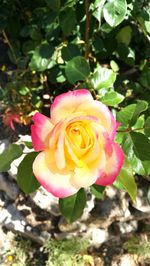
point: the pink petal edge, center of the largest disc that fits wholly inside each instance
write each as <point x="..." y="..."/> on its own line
<point x="38" y="132"/>
<point x="54" y="180"/>
<point x="69" y="94"/>
<point x="57" y="191"/>
<point x="108" y="178"/>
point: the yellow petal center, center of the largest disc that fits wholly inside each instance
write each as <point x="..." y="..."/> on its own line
<point x="78" y="135"/>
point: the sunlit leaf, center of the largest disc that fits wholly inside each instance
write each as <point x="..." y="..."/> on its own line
<point x="126" y="180"/>
<point x="124" y="35"/>
<point x="25" y="177"/>
<point x="42" y="58"/>
<point x="72" y="207"/>
<point x="97" y="191"/>
<point x="103" y="78"/>
<point x="115" y="11"/>
<point x="77" y="69"/>
<point x="13" y="152"/>
<point x="141" y="106"/>
<point x="112" y="98"/>
<point x="124" y="116"/>
<point x="141" y="145"/>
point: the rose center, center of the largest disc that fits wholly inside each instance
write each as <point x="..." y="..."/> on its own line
<point x="79" y="135"/>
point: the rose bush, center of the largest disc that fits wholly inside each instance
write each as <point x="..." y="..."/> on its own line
<point x="76" y="144"/>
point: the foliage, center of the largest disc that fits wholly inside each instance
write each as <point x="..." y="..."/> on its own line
<point x="66" y="252"/>
<point x="55" y="46"/>
<point x="19" y="254"/>
<point x="139" y="246"/>
<point x="8" y="156"/>
<point x="25" y="172"/>
<point x="72" y="207"/>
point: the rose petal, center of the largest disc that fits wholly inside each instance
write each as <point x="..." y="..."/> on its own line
<point x="81" y="103"/>
<point x="113" y="167"/>
<point x="59" y="153"/>
<point x="58" y="138"/>
<point x="87" y="175"/>
<point x="84" y="177"/>
<point x="50" y="177"/>
<point x="103" y="113"/>
<point x="40" y="131"/>
<point x="68" y="103"/>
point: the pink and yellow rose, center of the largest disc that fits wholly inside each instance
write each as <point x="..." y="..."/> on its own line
<point x="76" y="144"/>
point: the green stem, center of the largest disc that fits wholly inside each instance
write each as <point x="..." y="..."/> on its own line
<point x="87" y="28"/>
<point x="9" y="44"/>
<point x="92" y="89"/>
<point x="128" y="130"/>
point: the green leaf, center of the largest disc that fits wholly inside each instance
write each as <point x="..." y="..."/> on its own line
<point x="77" y="69"/>
<point x="145" y="78"/>
<point x="141" y="106"/>
<point x="126" y="180"/>
<point x="147" y="127"/>
<point x="118" y="185"/>
<point x="97" y="191"/>
<point x="54" y="5"/>
<point x="112" y="98"/>
<point x="144" y="20"/>
<point x="127" y="145"/>
<point x="8" y="156"/>
<point x="25" y="178"/>
<point x="103" y="78"/>
<point x="28" y="144"/>
<point x="35" y="34"/>
<point x="56" y="74"/>
<point x="67" y="21"/>
<point x="139" y="125"/>
<point x="72" y="207"/>
<point x="126" y="54"/>
<point x="146" y="166"/>
<point x="42" y="58"/>
<point x="97" y="7"/>
<point x="119" y="137"/>
<point x="114" y="12"/>
<point x="124" y="35"/>
<point x="28" y="47"/>
<point x="124" y="116"/>
<point x="141" y="145"/>
<point x="70" y="51"/>
<point x="138" y="166"/>
<point x="24" y="90"/>
<point x="114" y="66"/>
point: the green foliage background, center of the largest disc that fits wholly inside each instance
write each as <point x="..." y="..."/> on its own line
<point x="101" y="45"/>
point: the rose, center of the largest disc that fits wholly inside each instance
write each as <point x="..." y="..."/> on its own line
<point x="76" y="143"/>
<point x="9" y="117"/>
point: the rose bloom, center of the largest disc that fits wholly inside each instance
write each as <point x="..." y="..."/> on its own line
<point x="76" y="145"/>
<point x="9" y="117"/>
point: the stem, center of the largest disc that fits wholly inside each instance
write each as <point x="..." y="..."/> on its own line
<point x="127" y="130"/>
<point x="9" y="44"/>
<point x="130" y="71"/>
<point x="92" y="89"/>
<point x="87" y="28"/>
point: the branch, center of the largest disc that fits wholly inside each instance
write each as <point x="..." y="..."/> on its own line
<point x="87" y="28"/>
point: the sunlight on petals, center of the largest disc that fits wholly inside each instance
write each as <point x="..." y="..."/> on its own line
<point x="54" y="180"/>
<point x="40" y="131"/>
<point x="113" y="167"/>
<point x="68" y="103"/>
<point x="77" y="144"/>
